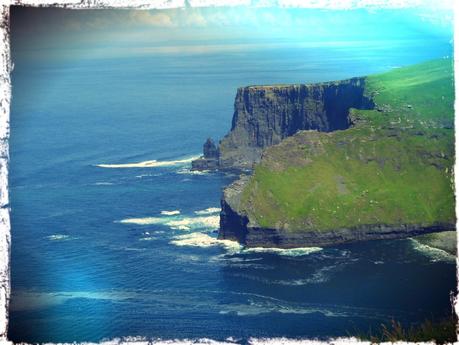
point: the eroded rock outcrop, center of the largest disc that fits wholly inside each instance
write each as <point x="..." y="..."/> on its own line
<point x="209" y="160"/>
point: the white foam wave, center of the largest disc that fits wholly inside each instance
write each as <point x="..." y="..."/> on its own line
<point x="434" y="254"/>
<point x="103" y="184"/>
<point x="148" y="238"/>
<point x="199" y="341"/>
<point x="59" y="237"/>
<point x="209" y="210"/>
<point x="192" y="172"/>
<point x="292" y="341"/>
<point x="178" y="222"/>
<point x="265" y="307"/>
<point x="243" y="259"/>
<point x="170" y="213"/>
<point x="149" y="164"/>
<point x="283" y="252"/>
<point x="143" y="175"/>
<point x="132" y="249"/>
<point x="203" y="240"/>
<point x="322" y="275"/>
<point x="244" y="265"/>
<point x="199" y="239"/>
<point x="142" y="221"/>
<point x="189" y="223"/>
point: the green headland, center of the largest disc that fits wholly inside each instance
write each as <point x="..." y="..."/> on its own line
<point x="393" y="167"/>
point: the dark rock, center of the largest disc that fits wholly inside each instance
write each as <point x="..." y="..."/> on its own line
<point x="262" y="237"/>
<point x="204" y="164"/>
<point x="233" y="225"/>
<point x="265" y="115"/>
<point x="210" y="150"/>
<point x="209" y="161"/>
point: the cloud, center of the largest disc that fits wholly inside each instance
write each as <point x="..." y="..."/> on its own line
<point x="193" y="18"/>
<point x="156" y="19"/>
<point x="262" y="14"/>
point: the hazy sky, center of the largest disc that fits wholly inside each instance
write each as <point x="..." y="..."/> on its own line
<point x="62" y="33"/>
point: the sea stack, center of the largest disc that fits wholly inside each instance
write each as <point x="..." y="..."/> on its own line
<point x="209" y="160"/>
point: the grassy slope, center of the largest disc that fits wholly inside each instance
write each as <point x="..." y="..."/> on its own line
<point x="394" y="166"/>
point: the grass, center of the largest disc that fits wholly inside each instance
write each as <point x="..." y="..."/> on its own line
<point x="428" y="88"/>
<point x="441" y="332"/>
<point x="393" y="167"/>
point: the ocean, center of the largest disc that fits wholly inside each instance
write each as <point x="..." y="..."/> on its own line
<point x="114" y="236"/>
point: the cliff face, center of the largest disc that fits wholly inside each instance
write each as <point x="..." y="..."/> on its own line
<point x="389" y="175"/>
<point x="264" y="115"/>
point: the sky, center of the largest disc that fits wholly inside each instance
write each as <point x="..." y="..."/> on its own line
<point x="44" y="33"/>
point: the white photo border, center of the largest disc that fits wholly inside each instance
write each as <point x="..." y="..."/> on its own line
<point x="6" y="66"/>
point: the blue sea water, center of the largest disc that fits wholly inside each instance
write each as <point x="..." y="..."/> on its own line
<point x="100" y="253"/>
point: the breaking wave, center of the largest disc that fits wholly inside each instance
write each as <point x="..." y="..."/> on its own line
<point x="170" y="213"/>
<point x="150" y="164"/>
<point x="177" y="222"/>
<point x="293" y="341"/>
<point x="186" y="171"/>
<point x="434" y="254"/>
<point x="59" y="237"/>
<point x="143" y="175"/>
<point x="148" y="238"/>
<point x="257" y="304"/>
<point x="321" y="275"/>
<point x="283" y="252"/>
<point x="210" y="210"/>
<point x="254" y="308"/>
<point x="199" y="239"/>
<point x="203" y="240"/>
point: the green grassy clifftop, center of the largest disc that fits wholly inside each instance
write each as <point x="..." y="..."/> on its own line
<point x="393" y="167"/>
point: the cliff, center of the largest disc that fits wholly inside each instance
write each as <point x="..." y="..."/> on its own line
<point x="265" y="115"/>
<point x="389" y="175"/>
